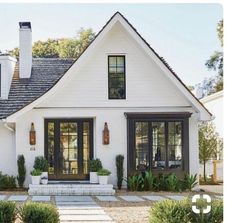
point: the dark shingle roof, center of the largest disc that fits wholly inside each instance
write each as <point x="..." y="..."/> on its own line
<point x="45" y="73"/>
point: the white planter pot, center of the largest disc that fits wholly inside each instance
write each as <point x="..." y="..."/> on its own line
<point x="94" y="178"/>
<point x="36" y="180"/>
<point x="45" y="176"/>
<point x="44" y="181"/>
<point x="103" y="180"/>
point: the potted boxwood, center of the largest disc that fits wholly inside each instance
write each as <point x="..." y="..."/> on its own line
<point x="93" y="166"/>
<point x="36" y="176"/>
<point x="103" y="176"/>
<point x="41" y="163"/>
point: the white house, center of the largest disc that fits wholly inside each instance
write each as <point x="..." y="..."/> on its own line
<point x="119" y="80"/>
<point x="214" y="103"/>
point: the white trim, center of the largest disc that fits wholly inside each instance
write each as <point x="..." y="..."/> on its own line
<point x="212" y="97"/>
<point x="204" y="114"/>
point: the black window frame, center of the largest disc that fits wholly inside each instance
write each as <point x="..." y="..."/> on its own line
<point x="109" y="96"/>
<point x="132" y="118"/>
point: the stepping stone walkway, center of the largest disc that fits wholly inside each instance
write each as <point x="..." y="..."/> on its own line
<point x="19" y="198"/>
<point x="2" y="197"/>
<point x="154" y="198"/>
<point x="132" y="198"/>
<point x="176" y="197"/>
<point x="80" y="209"/>
<point x="41" y="198"/>
<point x="107" y="198"/>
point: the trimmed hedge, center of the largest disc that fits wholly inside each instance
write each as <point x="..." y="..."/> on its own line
<point x="7" y="182"/>
<point x="39" y="213"/>
<point x="169" y="211"/>
<point x="7" y="212"/>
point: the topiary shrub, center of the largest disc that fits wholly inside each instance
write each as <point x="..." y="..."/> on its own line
<point x="7" y="212"/>
<point x="169" y="211"/>
<point x="120" y="170"/>
<point x="41" y="163"/>
<point x="39" y="213"/>
<point x="7" y="182"/>
<point x="21" y="170"/>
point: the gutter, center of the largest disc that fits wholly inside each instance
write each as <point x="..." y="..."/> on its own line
<point x="7" y="126"/>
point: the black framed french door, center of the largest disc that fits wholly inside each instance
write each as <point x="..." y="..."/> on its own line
<point x="68" y="148"/>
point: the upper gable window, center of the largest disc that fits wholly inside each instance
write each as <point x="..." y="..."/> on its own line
<point x="117" y="73"/>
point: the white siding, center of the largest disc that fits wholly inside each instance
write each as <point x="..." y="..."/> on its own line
<point x="118" y="134"/>
<point x="7" y="151"/>
<point x="146" y="84"/>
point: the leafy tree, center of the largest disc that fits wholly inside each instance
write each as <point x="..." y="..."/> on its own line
<point x="61" y="48"/>
<point x="216" y="61"/>
<point x="209" y="144"/>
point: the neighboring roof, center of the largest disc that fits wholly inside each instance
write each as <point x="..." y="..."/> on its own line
<point x="212" y="97"/>
<point x="76" y="65"/>
<point x="45" y="73"/>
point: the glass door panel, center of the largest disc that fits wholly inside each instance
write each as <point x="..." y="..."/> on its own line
<point x="68" y="146"/>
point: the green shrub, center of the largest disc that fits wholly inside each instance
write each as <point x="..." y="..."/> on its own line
<point x="189" y="182"/>
<point x="21" y="170"/>
<point x="169" y="211"/>
<point x="7" y="212"/>
<point x="103" y="172"/>
<point x="36" y="172"/>
<point x="120" y="170"/>
<point x="149" y="180"/>
<point x="39" y="213"/>
<point x="135" y="183"/>
<point x="41" y="163"/>
<point x="94" y="165"/>
<point x="7" y="182"/>
<point x="173" y="183"/>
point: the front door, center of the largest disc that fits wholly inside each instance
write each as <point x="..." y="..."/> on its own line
<point x="68" y="147"/>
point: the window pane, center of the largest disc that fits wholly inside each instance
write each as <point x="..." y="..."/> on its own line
<point x="175" y="144"/>
<point x="51" y="128"/>
<point x="120" y="61"/>
<point x="86" y="146"/>
<point x="158" y="145"/>
<point x="142" y="145"/>
<point x="116" y="77"/>
<point x="112" y="61"/>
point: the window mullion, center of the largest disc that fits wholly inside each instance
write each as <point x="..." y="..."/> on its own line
<point x="166" y="145"/>
<point x="150" y="149"/>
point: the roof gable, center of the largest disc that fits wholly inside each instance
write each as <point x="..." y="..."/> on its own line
<point x="118" y="17"/>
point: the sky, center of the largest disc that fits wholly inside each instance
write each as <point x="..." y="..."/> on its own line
<point x="184" y="34"/>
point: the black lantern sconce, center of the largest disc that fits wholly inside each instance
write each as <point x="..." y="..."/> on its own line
<point x="106" y="134"/>
<point x="32" y="135"/>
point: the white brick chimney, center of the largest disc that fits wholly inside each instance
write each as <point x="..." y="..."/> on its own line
<point x="25" y="60"/>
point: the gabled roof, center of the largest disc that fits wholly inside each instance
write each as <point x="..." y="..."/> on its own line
<point x="45" y="73"/>
<point x="117" y="17"/>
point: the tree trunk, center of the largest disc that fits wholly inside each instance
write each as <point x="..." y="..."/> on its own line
<point x="204" y="170"/>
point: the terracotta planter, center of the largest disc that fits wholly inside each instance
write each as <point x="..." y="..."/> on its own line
<point x="103" y="180"/>
<point x="94" y="178"/>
